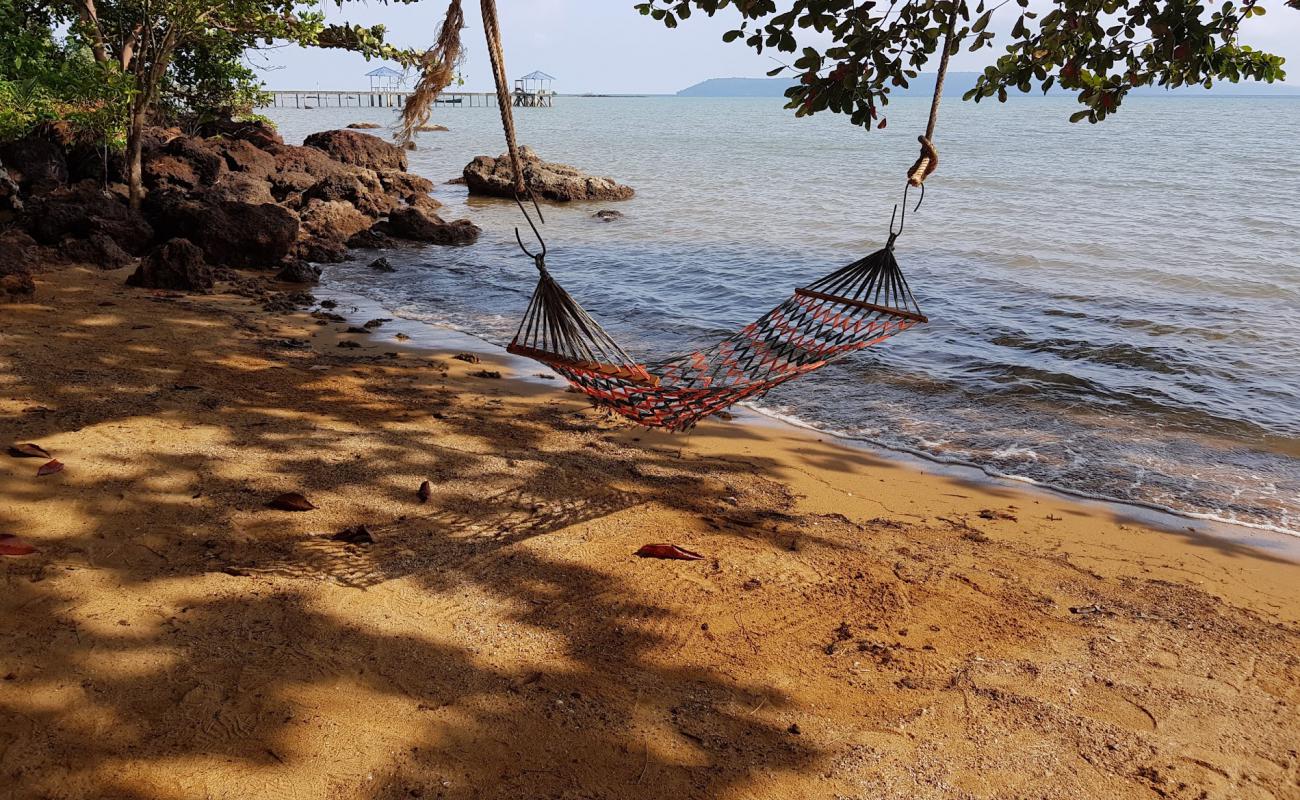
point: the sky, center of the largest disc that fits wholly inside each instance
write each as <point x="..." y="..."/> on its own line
<point x="605" y="46"/>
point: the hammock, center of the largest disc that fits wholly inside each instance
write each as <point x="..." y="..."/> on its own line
<point x="855" y="307"/>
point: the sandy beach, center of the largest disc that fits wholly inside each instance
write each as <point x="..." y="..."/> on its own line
<point x="858" y="626"/>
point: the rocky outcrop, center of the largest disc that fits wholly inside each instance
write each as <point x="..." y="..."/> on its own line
<point x="362" y="189"/>
<point x="358" y="149"/>
<point x="240" y="187"/>
<point x="36" y="164"/>
<point x="245" y="157"/>
<point x="15" y="274"/>
<point x="364" y="126"/>
<point x="177" y="265"/>
<point x="229" y="232"/>
<point x="84" y="210"/>
<point x="419" y="225"/>
<point x="299" y="271"/>
<point x="560" y="182"/>
<point x="96" y="250"/>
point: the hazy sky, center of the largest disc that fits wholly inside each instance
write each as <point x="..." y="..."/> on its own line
<point x="606" y="46"/>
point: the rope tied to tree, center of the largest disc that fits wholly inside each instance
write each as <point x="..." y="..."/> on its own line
<point x="928" y="161"/>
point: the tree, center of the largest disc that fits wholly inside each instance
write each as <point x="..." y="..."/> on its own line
<point x="1097" y="49"/>
<point x="144" y="40"/>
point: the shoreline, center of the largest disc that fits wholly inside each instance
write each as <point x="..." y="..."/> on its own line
<point x="1272" y="539"/>
<point x="855" y="626"/>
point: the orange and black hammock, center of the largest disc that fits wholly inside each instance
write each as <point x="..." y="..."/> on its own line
<point x="857" y="306"/>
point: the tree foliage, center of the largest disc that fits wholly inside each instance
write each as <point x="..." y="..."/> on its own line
<point x="1097" y="49"/>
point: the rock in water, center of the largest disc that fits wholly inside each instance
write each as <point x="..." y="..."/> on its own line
<point x="364" y="126"/>
<point x="177" y="265"/>
<point x="382" y="265"/>
<point x="608" y="215"/>
<point x="495" y="177"/>
<point x="420" y="225"/>
<point x="358" y="149"/>
<point x="298" y="271"/>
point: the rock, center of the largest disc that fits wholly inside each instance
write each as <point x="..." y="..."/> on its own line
<point x="98" y="250"/>
<point x="35" y="163"/>
<point x="405" y="185"/>
<point x="203" y="157"/>
<point x="495" y="177"/>
<point x="296" y="271"/>
<point x="362" y="190"/>
<point x="309" y="160"/>
<point x="322" y="251"/>
<point x="16" y="283"/>
<point x="431" y="128"/>
<point x="11" y="200"/>
<point x="230" y="233"/>
<point x="382" y="265"/>
<point x="177" y="265"/>
<point x="332" y="220"/>
<point x="243" y="156"/>
<point x="83" y="210"/>
<point x="95" y="162"/>
<point x="418" y="225"/>
<point x="358" y="149"/>
<point x="365" y="126"/>
<point x="260" y="134"/>
<point x="372" y="238"/>
<point x="166" y="171"/>
<point x="240" y="187"/>
<point x="15" y="252"/>
<point x="607" y="215"/>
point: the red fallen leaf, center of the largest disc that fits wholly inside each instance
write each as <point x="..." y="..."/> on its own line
<point x="426" y="491"/>
<point x="49" y="468"/>
<point x="291" y="501"/>
<point x="28" y="450"/>
<point x="11" y="545"/>
<point x="668" y="551"/>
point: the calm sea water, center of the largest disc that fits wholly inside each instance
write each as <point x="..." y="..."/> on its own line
<point x="1115" y="309"/>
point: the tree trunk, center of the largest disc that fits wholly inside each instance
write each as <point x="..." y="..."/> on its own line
<point x="135" y="150"/>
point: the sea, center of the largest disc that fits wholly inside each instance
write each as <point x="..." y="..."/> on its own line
<point x="1114" y="308"/>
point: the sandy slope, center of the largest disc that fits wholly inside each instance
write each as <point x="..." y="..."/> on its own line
<point x="858" y="629"/>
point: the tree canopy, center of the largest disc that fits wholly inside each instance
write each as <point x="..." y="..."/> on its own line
<point x="1097" y="49"/>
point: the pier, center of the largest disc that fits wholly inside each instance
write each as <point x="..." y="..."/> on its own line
<point x="365" y="98"/>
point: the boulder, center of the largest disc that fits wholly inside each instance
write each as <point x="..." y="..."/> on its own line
<point x="358" y="149"/>
<point x="431" y="128"/>
<point x="382" y="264"/>
<point x="298" y="271"/>
<point x="83" y="210"/>
<point x="177" y="264"/>
<point x="35" y="163"/>
<point x="363" y="190"/>
<point x="16" y="283"/>
<point x="203" y="156"/>
<point x="418" y="225"/>
<point x="15" y="251"/>
<point x="321" y="251"/>
<point x="372" y="238"/>
<point x="98" y="250"/>
<point x="495" y="177"/>
<point x="240" y="187"/>
<point x="405" y="185"/>
<point x="166" y="171"/>
<point x="607" y="215"/>
<point x="243" y="156"/>
<point x="364" y="126"/>
<point x="332" y="220"/>
<point x="11" y="200"/>
<point x="229" y="232"/>
<point x="260" y="134"/>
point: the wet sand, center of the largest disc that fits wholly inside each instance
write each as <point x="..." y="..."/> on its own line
<point x="859" y="627"/>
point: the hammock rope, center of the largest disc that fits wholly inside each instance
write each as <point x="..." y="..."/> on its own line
<point x="856" y="306"/>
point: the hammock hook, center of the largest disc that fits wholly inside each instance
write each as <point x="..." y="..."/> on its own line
<point x="538" y="258"/>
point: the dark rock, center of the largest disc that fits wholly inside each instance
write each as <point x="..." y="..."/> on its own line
<point x="382" y="264"/>
<point x="246" y="157"/>
<point x="421" y="226"/>
<point x="203" y="157"/>
<point x="230" y="233"/>
<point x="177" y="264"/>
<point x="11" y="199"/>
<point x="35" y="163"/>
<point x="83" y="210"/>
<point x="257" y="133"/>
<point x="607" y="215"/>
<point x="405" y="185"/>
<point x="495" y="177"/>
<point x="16" y="283"/>
<point x="167" y="171"/>
<point x="296" y="271"/>
<point x="364" y="126"/>
<point x="240" y="187"/>
<point x="15" y="251"/>
<point x="358" y="149"/>
<point x="362" y="190"/>
<point x="309" y="160"/>
<point x="88" y="161"/>
<point x="372" y="238"/>
<point x="431" y="128"/>
<point x="322" y="251"/>
<point x="98" y="250"/>
<point x="288" y="301"/>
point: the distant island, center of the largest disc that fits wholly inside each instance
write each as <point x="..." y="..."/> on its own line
<point x="958" y="83"/>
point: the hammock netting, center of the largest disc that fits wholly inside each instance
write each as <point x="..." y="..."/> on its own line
<point x="857" y="306"/>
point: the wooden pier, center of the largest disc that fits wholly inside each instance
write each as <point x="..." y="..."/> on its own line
<point x="364" y="98"/>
